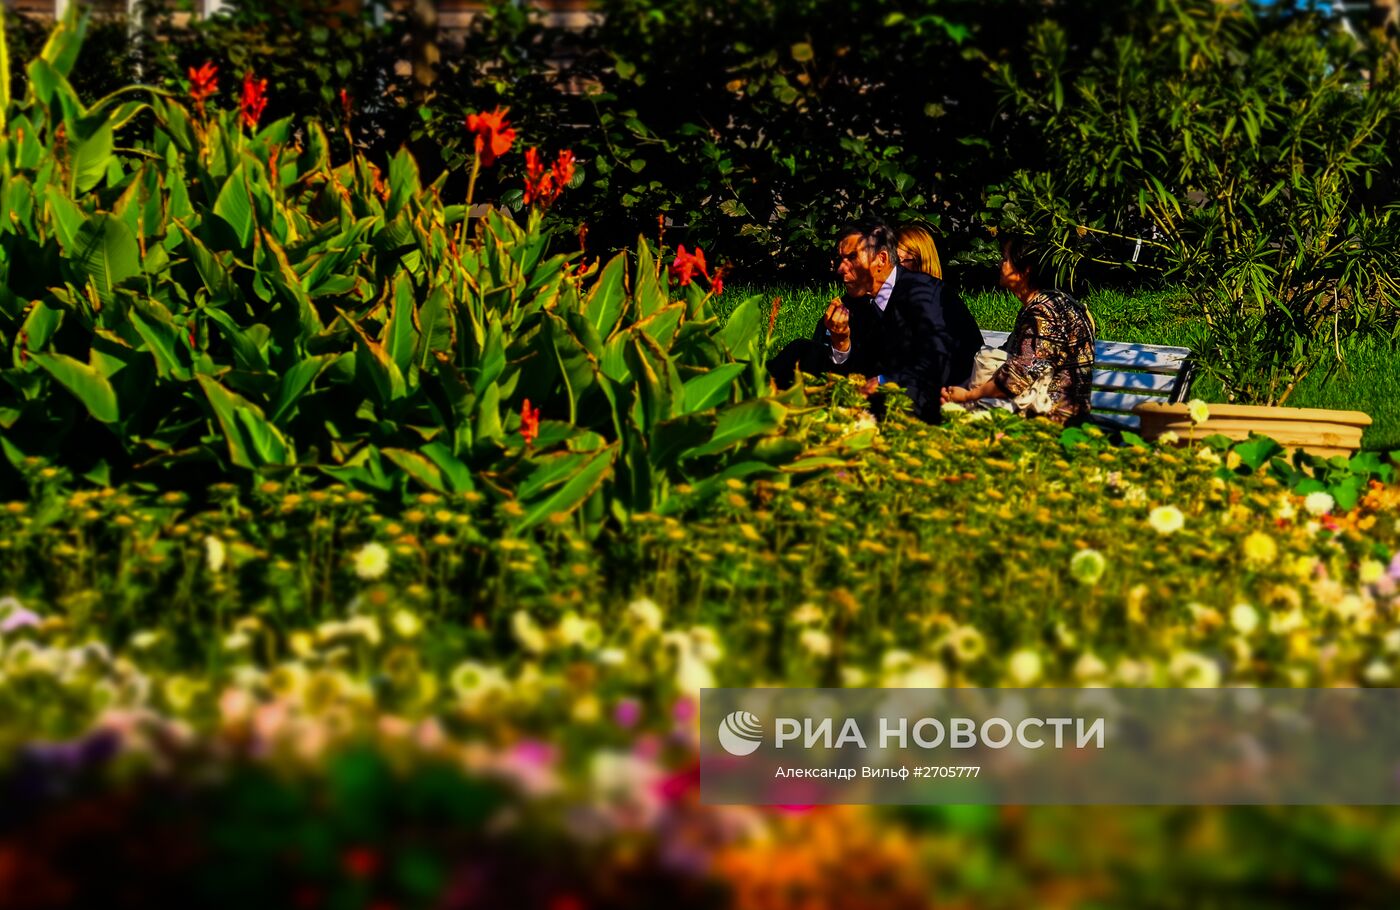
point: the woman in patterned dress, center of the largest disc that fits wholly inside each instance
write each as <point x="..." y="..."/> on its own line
<point x="1053" y="337"/>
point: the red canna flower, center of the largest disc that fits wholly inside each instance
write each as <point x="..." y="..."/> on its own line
<point x="543" y="187"/>
<point x="204" y="82"/>
<point x="563" y="170"/>
<point x="534" y="168"/>
<point x="717" y="282"/>
<point x="345" y="104"/>
<point x="539" y="183"/>
<point x="254" y="100"/>
<point x="529" y="423"/>
<point x="686" y="265"/>
<point x="493" y="135"/>
<point x="360" y="862"/>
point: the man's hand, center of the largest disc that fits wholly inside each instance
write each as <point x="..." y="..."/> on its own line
<point x="838" y="323"/>
<point x="957" y="394"/>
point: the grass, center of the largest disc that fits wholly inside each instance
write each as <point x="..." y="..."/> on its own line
<point x="1367" y="379"/>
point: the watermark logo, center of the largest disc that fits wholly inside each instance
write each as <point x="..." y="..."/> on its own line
<point x="741" y="733"/>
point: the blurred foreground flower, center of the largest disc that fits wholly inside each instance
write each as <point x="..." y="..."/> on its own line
<point x="1087" y="566"/>
<point x="1319" y="503"/>
<point x="1166" y="519"/>
<point x="371" y="561"/>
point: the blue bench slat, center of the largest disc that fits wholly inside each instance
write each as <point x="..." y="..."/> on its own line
<point x="1156" y="358"/>
<point x="1122" y="421"/>
<point x="1135" y="382"/>
<point x="1159" y="358"/>
<point x="1120" y="401"/>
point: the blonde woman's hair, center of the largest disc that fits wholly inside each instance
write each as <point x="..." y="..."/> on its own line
<point x="919" y="241"/>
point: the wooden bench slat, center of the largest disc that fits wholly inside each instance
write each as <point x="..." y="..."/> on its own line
<point x="1120" y="401"/>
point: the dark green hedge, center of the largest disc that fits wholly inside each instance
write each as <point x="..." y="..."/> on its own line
<point x="753" y="126"/>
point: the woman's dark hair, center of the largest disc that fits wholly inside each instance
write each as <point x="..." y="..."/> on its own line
<point x="1021" y="253"/>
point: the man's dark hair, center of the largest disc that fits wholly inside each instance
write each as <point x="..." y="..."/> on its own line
<point x="1022" y="254"/>
<point x="876" y="234"/>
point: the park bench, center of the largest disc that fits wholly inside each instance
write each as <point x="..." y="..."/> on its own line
<point x="1127" y="375"/>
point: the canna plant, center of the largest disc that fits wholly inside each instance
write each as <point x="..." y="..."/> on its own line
<point x="188" y="296"/>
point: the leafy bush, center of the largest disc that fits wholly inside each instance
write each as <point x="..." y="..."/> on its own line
<point x="1245" y="159"/>
<point x="756" y="128"/>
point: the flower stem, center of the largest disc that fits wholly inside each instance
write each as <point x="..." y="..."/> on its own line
<point x="471" y="191"/>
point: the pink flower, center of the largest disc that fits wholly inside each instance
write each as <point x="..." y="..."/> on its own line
<point x="627" y="713"/>
<point x="677" y="786"/>
<point x="235" y="706"/>
<point x="535" y="753"/>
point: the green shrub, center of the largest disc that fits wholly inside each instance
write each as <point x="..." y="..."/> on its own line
<point x="1245" y="159"/>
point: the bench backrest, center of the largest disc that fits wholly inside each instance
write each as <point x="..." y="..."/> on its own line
<point x="1127" y="375"/>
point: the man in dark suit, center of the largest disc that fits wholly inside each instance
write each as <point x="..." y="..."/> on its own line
<point x="893" y="325"/>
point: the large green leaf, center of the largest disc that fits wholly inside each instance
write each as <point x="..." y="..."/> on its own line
<point x="658" y="386"/>
<point x="39" y="326"/>
<point x="454" y="471"/>
<point x="295" y="382"/>
<point x="235" y="206"/>
<point x="4" y="77"/>
<point x="247" y="345"/>
<point x="92" y="151"/>
<point x="561" y="483"/>
<point x="646" y="286"/>
<point x="87" y="384"/>
<point x="66" y="40"/>
<point x="373" y="366"/>
<point x="162" y="338"/>
<point x="403" y="183"/>
<point x="106" y="254"/>
<point x="743" y="333"/>
<point x="436" y="330"/>
<point x="419" y="468"/>
<point x="400" y="335"/>
<point x="605" y="301"/>
<point x="741" y="422"/>
<point x="712" y="387"/>
<point x="662" y="324"/>
<point x="52" y="90"/>
<point x="212" y="272"/>
<point x="252" y="441"/>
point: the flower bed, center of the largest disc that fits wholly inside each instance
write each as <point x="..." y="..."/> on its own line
<point x="549" y="679"/>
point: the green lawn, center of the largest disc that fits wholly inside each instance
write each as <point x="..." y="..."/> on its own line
<point x="1368" y="379"/>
